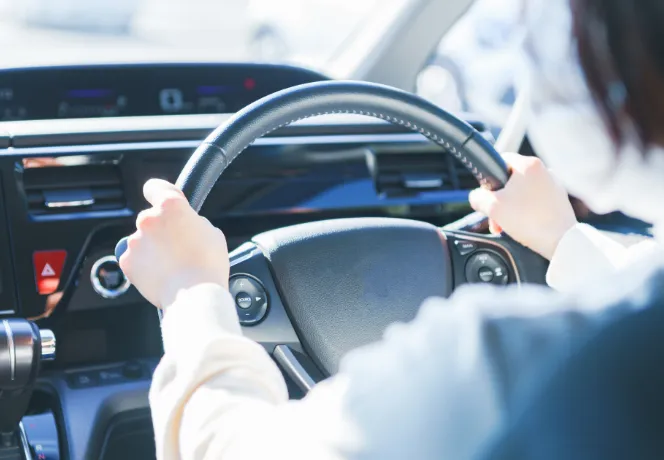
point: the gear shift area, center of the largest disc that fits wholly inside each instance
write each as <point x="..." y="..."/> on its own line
<point x="23" y="346"/>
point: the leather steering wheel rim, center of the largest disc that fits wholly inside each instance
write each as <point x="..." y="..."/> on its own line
<point x="230" y="139"/>
<point x="282" y="108"/>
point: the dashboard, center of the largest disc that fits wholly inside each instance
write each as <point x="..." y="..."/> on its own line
<point x="138" y="90"/>
<point x="76" y="146"/>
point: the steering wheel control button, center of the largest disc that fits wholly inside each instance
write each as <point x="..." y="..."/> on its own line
<point x="48" y="266"/>
<point x="464" y="247"/>
<point x="485" y="274"/>
<point x="107" y="278"/>
<point x="488" y="268"/>
<point x="244" y="300"/>
<point x="250" y="299"/>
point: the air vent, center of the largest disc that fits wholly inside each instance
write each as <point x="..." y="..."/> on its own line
<point x="73" y="189"/>
<point x="408" y="174"/>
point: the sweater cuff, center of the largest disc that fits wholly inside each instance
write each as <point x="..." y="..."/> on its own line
<point x="583" y="254"/>
<point x="199" y="315"/>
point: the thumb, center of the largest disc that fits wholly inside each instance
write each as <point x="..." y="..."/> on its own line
<point x="158" y="190"/>
<point x="483" y="200"/>
<point x="494" y="228"/>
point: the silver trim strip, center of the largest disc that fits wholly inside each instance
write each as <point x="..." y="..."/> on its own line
<point x="285" y="357"/>
<point x="12" y="349"/>
<point x="47" y="344"/>
<point x="423" y="183"/>
<point x="69" y="204"/>
<point x="245" y="252"/>
<point x="23" y="439"/>
<point x="96" y="284"/>
<point x="263" y="141"/>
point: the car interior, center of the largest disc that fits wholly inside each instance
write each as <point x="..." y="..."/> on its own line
<point x="318" y="172"/>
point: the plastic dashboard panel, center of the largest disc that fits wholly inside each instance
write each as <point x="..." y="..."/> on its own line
<point x="5" y="140"/>
<point x="311" y="170"/>
<point x="86" y="414"/>
<point x="8" y="303"/>
<point x="105" y="90"/>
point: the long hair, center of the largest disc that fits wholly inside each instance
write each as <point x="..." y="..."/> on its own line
<point x="621" y="50"/>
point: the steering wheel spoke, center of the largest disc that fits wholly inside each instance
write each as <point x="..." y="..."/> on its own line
<point x="259" y="306"/>
<point x="264" y="319"/>
<point x="492" y="259"/>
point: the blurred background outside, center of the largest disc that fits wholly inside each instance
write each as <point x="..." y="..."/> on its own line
<point x="470" y="71"/>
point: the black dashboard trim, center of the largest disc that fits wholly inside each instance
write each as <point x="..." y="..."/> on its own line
<point x="100" y="86"/>
<point x="311" y="147"/>
<point x="8" y="300"/>
<point x="5" y="140"/>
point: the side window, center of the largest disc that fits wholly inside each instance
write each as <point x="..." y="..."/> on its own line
<point x="472" y="70"/>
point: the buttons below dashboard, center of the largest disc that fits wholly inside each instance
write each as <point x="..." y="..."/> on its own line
<point x="107" y="278"/>
<point x="130" y="371"/>
<point x="83" y="380"/>
<point x="250" y="299"/>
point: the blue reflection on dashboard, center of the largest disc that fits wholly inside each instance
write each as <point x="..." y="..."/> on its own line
<point x="361" y="193"/>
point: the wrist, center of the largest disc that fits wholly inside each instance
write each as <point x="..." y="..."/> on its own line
<point x="555" y="237"/>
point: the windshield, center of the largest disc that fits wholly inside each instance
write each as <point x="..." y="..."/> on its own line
<point x="305" y="32"/>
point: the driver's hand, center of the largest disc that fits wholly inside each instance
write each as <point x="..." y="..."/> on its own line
<point x="173" y="248"/>
<point x="533" y="208"/>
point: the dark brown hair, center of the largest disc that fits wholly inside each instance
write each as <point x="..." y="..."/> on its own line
<point x="621" y="50"/>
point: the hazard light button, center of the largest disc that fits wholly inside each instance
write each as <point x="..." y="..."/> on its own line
<point x="48" y="267"/>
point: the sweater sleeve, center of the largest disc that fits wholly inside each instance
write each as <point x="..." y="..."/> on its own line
<point x="585" y="255"/>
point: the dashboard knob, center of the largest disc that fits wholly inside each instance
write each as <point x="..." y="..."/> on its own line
<point x="107" y="278"/>
<point x="47" y="344"/>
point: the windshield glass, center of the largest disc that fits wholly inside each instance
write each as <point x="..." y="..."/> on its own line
<point x="305" y="32"/>
<point x="473" y="68"/>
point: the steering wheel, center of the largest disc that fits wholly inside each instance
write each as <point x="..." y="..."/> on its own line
<point x="334" y="285"/>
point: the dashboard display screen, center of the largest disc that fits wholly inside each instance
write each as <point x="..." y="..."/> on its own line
<point x="137" y="90"/>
